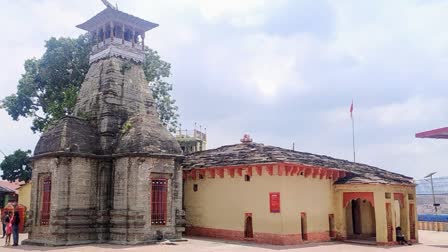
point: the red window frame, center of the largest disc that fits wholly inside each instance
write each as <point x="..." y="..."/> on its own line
<point x="159" y="191"/>
<point x="46" y="202"/>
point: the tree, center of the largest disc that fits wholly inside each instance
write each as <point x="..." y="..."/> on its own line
<point x="49" y="87"/>
<point x="17" y="166"/>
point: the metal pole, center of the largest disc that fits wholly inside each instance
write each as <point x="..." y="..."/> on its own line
<point x="353" y="133"/>
<point x="433" y="196"/>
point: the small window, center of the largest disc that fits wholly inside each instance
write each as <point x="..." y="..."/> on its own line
<point x="387" y="195"/>
<point x="195" y="187"/>
<point x="246" y="178"/>
<point x="301" y="173"/>
<point x="159" y="190"/>
<point x="410" y="196"/>
<point x="46" y="202"/>
<point x="201" y="176"/>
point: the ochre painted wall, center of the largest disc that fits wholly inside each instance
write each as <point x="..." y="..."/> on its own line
<point x="221" y="203"/>
<point x="25" y="195"/>
<point x="379" y="191"/>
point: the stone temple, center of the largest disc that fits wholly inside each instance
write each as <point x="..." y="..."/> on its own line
<point x="111" y="172"/>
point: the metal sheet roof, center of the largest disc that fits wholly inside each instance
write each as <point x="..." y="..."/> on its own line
<point x="441" y="133"/>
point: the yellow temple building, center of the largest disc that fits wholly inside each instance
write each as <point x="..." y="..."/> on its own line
<point x="266" y="194"/>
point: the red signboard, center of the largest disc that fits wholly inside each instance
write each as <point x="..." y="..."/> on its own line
<point x="274" y="202"/>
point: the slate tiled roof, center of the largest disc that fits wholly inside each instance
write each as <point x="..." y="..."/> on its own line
<point x="255" y="153"/>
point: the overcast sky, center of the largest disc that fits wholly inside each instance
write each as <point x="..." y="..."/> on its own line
<point x="282" y="71"/>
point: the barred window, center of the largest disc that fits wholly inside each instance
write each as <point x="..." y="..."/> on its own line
<point x="159" y="189"/>
<point x="46" y="201"/>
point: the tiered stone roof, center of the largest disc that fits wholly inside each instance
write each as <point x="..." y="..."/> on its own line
<point x="255" y="153"/>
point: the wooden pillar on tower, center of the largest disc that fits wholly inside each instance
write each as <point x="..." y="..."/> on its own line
<point x="104" y="34"/>
<point x="122" y="35"/>
<point x="143" y="41"/>
<point x="97" y="37"/>
<point x="133" y="37"/>
<point x="112" y="31"/>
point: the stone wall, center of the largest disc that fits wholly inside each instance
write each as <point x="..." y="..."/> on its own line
<point x="73" y="200"/>
<point x="131" y="214"/>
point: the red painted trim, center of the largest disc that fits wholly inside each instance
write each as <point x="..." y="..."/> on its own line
<point x="348" y="196"/>
<point x="335" y="175"/>
<point x="280" y="169"/>
<point x="259" y="170"/>
<point x="263" y="238"/>
<point x="270" y="169"/>
<point x="400" y="198"/>
<point x="212" y="172"/>
<point x="202" y="173"/>
<point x="248" y="215"/>
<point x="316" y="172"/>
<point x="329" y="174"/>
<point x="231" y="171"/>
<point x="249" y="171"/>
<point x="193" y="174"/>
<point x="220" y="172"/>
<point x="294" y="170"/>
<point x="308" y="171"/>
<point x="288" y="169"/>
<point x="323" y="174"/>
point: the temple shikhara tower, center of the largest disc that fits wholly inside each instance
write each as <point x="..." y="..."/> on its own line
<point x="111" y="172"/>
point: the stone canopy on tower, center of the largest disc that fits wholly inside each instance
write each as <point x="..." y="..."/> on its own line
<point x="110" y="14"/>
<point x="117" y="34"/>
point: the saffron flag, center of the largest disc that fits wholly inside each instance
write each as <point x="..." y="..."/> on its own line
<point x="351" y="109"/>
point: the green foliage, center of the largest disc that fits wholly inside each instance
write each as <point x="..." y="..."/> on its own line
<point x="49" y="87"/>
<point x="125" y="67"/>
<point x="156" y="70"/>
<point x="17" y="166"/>
<point x="126" y="127"/>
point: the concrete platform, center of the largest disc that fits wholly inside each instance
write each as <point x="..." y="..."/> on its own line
<point x="430" y="241"/>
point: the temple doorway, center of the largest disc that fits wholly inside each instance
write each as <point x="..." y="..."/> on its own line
<point x="248" y="230"/>
<point x="360" y="217"/>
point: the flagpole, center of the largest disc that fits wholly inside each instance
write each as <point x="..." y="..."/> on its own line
<point x="353" y="134"/>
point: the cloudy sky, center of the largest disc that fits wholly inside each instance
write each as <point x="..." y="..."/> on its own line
<point x="283" y="71"/>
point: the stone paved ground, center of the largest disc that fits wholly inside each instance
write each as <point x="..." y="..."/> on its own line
<point x="430" y="241"/>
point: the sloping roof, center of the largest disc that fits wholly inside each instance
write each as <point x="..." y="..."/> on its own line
<point x="5" y="190"/>
<point x="6" y="186"/>
<point x="255" y="153"/>
<point x="110" y="14"/>
<point x="441" y="133"/>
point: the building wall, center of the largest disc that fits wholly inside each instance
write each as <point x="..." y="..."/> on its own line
<point x="73" y="201"/>
<point x="25" y="195"/>
<point x="131" y="214"/>
<point x="221" y="204"/>
<point x="380" y="200"/>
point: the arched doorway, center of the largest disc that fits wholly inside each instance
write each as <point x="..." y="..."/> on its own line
<point x="360" y="219"/>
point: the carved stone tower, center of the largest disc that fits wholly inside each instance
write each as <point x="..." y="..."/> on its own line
<point x="111" y="172"/>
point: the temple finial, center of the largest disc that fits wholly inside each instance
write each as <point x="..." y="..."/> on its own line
<point x="108" y="5"/>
